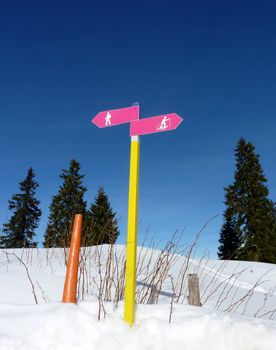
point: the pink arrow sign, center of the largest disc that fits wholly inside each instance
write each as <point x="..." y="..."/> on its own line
<point x="151" y="125"/>
<point x="116" y="116"/>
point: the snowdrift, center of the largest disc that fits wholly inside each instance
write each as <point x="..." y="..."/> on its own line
<point x="232" y="293"/>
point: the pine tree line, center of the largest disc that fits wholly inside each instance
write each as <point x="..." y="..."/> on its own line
<point x="100" y="223"/>
<point x="20" y="230"/>
<point x="249" y="228"/>
<point x="248" y="231"/>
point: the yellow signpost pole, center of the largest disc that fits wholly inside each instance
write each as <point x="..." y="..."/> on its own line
<point x="137" y="127"/>
<point x="130" y="288"/>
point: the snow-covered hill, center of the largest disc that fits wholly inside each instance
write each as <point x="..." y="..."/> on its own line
<point x="239" y="302"/>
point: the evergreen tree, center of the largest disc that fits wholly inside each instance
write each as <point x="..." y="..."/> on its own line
<point x="68" y="202"/>
<point x="19" y="232"/>
<point x="248" y="205"/>
<point x="229" y="240"/>
<point x="102" y="226"/>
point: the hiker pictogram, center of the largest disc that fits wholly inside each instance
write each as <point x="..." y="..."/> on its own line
<point x="108" y="119"/>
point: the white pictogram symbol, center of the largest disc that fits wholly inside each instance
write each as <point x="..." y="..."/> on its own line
<point x="163" y="125"/>
<point x="108" y="119"/>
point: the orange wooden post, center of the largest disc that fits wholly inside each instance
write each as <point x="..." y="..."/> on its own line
<point x="71" y="279"/>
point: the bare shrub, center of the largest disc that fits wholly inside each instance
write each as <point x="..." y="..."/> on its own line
<point x="27" y="272"/>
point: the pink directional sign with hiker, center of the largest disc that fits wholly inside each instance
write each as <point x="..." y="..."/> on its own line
<point x="116" y="116"/>
<point x="151" y="125"/>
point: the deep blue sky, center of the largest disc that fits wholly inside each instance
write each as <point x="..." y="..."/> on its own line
<point x="212" y="62"/>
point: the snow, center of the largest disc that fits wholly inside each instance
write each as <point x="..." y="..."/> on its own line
<point x="53" y="325"/>
<point x="68" y="326"/>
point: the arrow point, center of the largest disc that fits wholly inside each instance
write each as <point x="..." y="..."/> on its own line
<point x="178" y="118"/>
<point x="96" y="120"/>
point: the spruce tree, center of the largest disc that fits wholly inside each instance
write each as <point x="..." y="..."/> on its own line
<point x="68" y="202"/>
<point x="102" y="226"/>
<point x="19" y="232"/>
<point x="229" y="240"/>
<point x="248" y="205"/>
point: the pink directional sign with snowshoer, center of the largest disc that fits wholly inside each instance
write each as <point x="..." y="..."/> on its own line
<point x="151" y="125"/>
<point x="116" y="116"/>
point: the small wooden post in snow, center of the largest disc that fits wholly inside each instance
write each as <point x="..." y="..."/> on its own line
<point x="193" y="285"/>
<point x="153" y="295"/>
